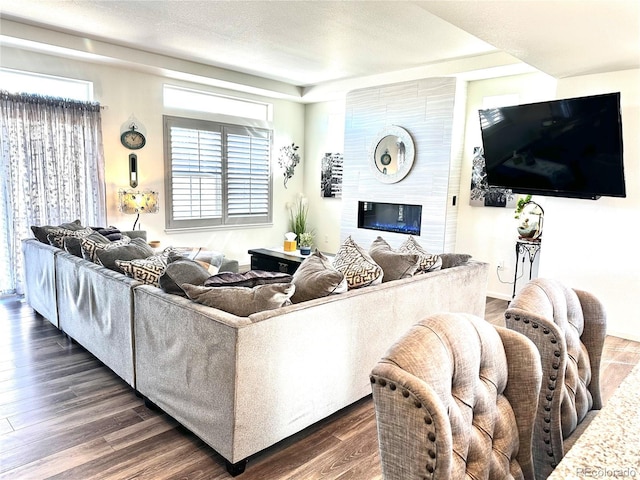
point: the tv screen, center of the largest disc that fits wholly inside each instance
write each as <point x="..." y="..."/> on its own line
<point x="566" y="148"/>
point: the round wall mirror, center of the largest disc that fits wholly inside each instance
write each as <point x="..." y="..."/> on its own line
<point x="392" y="154"/>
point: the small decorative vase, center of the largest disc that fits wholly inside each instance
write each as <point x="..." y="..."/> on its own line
<point x="305" y="250"/>
<point x="531" y="221"/>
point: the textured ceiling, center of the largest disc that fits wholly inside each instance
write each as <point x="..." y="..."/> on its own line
<point x="308" y="43"/>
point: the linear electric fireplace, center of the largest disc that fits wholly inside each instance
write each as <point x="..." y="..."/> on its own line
<point x="390" y="217"/>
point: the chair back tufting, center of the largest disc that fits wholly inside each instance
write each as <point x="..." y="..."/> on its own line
<point x="455" y="397"/>
<point x="568" y="327"/>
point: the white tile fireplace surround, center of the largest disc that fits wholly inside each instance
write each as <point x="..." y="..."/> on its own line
<point x="432" y="111"/>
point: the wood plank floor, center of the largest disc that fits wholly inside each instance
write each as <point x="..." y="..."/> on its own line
<point x="64" y="415"/>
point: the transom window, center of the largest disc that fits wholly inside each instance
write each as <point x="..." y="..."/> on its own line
<point x="17" y="81"/>
<point x="218" y="174"/>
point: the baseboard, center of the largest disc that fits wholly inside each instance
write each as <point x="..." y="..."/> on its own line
<point x="498" y="295"/>
<point x="625" y="335"/>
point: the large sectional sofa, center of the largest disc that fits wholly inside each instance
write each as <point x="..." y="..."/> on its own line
<point x="241" y="384"/>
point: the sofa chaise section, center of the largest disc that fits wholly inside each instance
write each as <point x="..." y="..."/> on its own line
<point x="243" y="384"/>
<point x="95" y="307"/>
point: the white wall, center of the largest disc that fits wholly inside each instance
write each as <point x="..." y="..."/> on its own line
<point x="125" y="92"/>
<point x="324" y="133"/>
<point x="593" y="245"/>
<point x="587" y="244"/>
<point x="489" y="233"/>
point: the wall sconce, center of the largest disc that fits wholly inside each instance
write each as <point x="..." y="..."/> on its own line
<point x="133" y="170"/>
<point x="137" y="202"/>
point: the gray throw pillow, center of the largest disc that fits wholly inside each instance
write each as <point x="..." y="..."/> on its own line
<point x="136" y="249"/>
<point x="395" y="265"/>
<point x="454" y="259"/>
<point x="316" y="277"/>
<point x="179" y="271"/>
<point x="250" y="279"/>
<point x="90" y="248"/>
<point x="242" y="301"/>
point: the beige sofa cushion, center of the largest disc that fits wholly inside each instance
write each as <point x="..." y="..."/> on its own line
<point x="316" y="277"/>
<point x="242" y="301"/>
<point x="356" y="265"/>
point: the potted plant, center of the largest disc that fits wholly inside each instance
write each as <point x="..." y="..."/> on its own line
<point x="305" y="241"/>
<point x="298" y="213"/>
<point x="522" y="201"/>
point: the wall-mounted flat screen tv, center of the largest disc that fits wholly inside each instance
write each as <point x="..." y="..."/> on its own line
<point x="564" y="148"/>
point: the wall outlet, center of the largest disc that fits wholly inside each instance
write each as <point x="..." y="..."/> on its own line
<point x="501" y="265"/>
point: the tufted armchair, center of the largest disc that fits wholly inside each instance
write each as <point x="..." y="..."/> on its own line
<point x="568" y="327"/>
<point x="455" y="397"/>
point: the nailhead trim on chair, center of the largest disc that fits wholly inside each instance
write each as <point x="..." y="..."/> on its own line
<point x="428" y="420"/>
<point x="550" y="387"/>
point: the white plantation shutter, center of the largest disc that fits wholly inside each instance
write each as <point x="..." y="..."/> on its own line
<point x="196" y="174"/>
<point x="220" y="174"/>
<point x="248" y="174"/>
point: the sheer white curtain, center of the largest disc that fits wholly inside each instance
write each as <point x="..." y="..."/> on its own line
<point x="52" y="170"/>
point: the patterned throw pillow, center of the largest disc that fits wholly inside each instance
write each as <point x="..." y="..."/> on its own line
<point x="146" y="270"/>
<point x="73" y="245"/>
<point x="56" y="236"/>
<point x="395" y="265"/>
<point x="41" y="232"/>
<point x="90" y="247"/>
<point x="428" y="262"/>
<point x="356" y="265"/>
<point x="133" y="250"/>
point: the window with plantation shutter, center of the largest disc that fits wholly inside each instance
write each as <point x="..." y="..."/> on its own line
<point x="219" y="174"/>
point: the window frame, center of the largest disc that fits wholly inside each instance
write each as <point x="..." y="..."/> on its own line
<point x="225" y="221"/>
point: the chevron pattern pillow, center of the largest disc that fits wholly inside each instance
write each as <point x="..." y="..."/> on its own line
<point x="356" y="265"/>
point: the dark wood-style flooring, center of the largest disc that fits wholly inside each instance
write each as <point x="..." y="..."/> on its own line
<point x="64" y="415"/>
